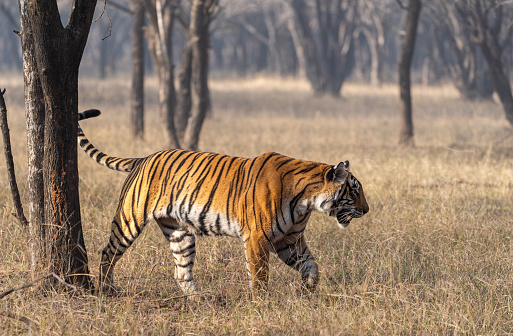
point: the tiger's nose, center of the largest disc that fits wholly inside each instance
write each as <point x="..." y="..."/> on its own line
<point x="365" y="209"/>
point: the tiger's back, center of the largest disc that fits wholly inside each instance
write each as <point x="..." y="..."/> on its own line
<point x="213" y="194"/>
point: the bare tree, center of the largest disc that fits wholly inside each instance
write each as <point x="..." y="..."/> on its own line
<point x="161" y="17"/>
<point x="55" y="55"/>
<point x="202" y="12"/>
<point x="374" y="22"/>
<point x="412" y="20"/>
<point x="458" y="51"/>
<point x="489" y="21"/>
<point x="329" y="48"/>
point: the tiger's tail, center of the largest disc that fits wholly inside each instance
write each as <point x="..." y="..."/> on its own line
<point x="114" y="163"/>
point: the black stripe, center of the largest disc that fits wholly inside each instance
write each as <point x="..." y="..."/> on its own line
<point x="186" y="265"/>
<point x="284" y="162"/>
<point x="185" y="249"/>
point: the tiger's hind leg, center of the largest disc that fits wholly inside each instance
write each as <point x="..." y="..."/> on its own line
<point x="183" y="246"/>
<point x="123" y="234"/>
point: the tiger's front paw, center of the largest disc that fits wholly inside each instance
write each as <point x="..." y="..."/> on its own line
<point x="310" y="282"/>
<point x="109" y="289"/>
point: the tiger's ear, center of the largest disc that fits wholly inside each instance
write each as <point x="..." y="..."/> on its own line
<point x="339" y="173"/>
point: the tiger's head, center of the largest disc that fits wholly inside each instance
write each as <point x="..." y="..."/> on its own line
<point x="344" y="198"/>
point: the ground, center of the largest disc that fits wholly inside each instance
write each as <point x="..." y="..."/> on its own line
<point x="433" y="256"/>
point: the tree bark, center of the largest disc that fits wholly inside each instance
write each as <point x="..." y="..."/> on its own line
<point x="35" y="119"/>
<point x="137" y="96"/>
<point x="406" y="131"/>
<point x="58" y="53"/>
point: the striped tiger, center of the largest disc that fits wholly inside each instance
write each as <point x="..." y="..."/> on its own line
<point x="266" y="201"/>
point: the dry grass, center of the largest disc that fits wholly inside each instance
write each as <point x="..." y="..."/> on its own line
<point x="433" y="256"/>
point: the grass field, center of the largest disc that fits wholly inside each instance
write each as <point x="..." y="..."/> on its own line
<point x="433" y="256"/>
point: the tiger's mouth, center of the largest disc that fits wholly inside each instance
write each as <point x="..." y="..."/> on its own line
<point x="344" y="217"/>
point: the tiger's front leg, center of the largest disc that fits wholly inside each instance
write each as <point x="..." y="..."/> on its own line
<point x="257" y="262"/>
<point x="294" y="252"/>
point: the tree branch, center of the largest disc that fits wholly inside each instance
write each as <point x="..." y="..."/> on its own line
<point x="32" y="283"/>
<point x="400" y="3"/>
<point x="10" y="162"/>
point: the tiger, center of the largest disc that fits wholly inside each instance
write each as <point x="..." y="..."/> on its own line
<point x="265" y="201"/>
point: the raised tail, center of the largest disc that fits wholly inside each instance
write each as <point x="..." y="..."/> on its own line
<point x="114" y="163"/>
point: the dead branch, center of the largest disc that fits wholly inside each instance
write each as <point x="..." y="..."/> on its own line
<point x="10" y="162"/>
<point x="108" y="17"/>
<point x="30" y="284"/>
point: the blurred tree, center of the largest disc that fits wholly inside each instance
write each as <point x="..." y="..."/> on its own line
<point x="489" y="24"/>
<point x="412" y="20"/>
<point x="202" y="13"/>
<point x="161" y="19"/>
<point x="53" y="58"/>
<point x="325" y="30"/>
<point x="374" y="23"/>
<point x="458" y="50"/>
<point x="9" y="53"/>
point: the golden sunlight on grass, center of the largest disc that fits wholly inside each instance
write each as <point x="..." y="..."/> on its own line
<point x="433" y="256"/>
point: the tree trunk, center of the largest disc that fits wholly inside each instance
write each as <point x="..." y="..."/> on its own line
<point x="137" y="95"/>
<point x="307" y="41"/>
<point x="58" y="52"/>
<point x="35" y="119"/>
<point x="161" y="18"/>
<point x="300" y="52"/>
<point x="406" y="132"/>
<point x="200" y="22"/>
<point x="185" y="97"/>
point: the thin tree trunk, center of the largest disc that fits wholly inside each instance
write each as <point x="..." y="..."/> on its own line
<point x="300" y="52"/>
<point x="35" y="119"/>
<point x="406" y="132"/>
<point x="307" y="41"/>
<point x="200" y="21"/>
<point x="161" y="18"/>
<point x="185" y="97"/>
<point x="137" y="96"/>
